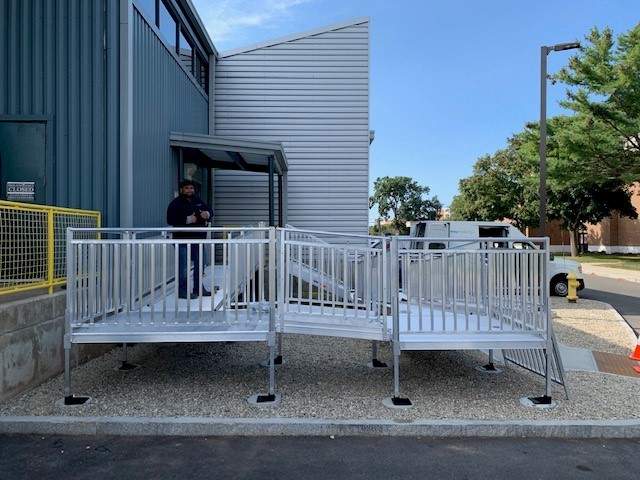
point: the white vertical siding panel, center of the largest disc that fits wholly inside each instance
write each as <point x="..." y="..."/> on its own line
<point x="311" y="94"/>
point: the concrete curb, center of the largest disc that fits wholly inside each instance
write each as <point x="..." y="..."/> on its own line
<point x="629" y="328"/>
<point x="300" y="427"/>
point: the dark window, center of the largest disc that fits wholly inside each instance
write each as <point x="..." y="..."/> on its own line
<point x="168" y="26"/>
<point x="185" y="50"/>
<point x="162" y="14"/>
<point x="201" y="72"/>
<point x="487" y="232"/>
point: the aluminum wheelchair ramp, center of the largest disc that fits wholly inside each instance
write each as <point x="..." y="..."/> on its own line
<point x="274" y="281"/>
<point x="120" y="289"/>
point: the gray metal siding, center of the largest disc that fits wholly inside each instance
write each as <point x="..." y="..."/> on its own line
<point x="57" y="60"/>
<point x="311" y="94"/>
<point x="165" y="99"/>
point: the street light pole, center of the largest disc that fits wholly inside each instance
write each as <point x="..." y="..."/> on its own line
<point x="544" y="52"/>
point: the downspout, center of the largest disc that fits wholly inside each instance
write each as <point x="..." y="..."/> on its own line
<point x="272" y="219"/>
<point x="280" y="205"/>
<point x="212" y="94"/>
<point x="212" y="127"/>
<point x="126" y="113"/>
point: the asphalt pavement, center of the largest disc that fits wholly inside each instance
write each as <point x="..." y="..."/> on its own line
<point x="619" y="288"/>
<point x="78" y="457"/>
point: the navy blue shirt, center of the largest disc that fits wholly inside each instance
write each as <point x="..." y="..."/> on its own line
<point x="182" y="207"/>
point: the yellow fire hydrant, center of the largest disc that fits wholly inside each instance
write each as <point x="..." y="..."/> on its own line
<point x="572" y="284"/>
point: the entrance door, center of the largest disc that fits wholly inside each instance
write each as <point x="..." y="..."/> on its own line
<point x="23" y="162"/>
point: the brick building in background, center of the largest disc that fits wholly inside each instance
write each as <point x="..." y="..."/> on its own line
<point x="617" y="234"/>
<point x="612" y="235"/>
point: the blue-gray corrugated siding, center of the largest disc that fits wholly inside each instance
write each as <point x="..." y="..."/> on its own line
<point x="59" y="59"/>
<point x="164" y="100"/>
<point x="312" y="94"/>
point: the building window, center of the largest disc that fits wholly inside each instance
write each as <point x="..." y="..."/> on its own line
<point x="200" y="72"/>
<point x="163" y="14"/>
<point x="185" y="51"/>
<point x="168" y="26"/>
<point x="149" y="7"/>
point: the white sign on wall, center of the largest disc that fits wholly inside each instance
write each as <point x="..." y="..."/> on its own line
<point x="21" y="191"/>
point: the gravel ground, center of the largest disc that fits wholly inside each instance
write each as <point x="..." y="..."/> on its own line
<point x="592" y="325"/>
<point x="327" y="378"/>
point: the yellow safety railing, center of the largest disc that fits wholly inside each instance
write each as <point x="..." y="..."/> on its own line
<point x="33" y="244"/>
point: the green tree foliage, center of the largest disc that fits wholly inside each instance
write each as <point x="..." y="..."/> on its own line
<point x="506" y="185"/>
<point x="503" y="185"/>
<point x="402" y="199"/>
<point x="381" y="229"/>
<point x="605" y="93"/>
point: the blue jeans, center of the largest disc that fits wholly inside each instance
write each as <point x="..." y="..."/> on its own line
<point x="182" y="274"/>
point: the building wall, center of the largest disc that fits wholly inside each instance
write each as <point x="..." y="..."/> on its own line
<point x="165" y="99"/>
<point x="31" y="346"/>
<point x="310" y="92"/>
<point x="59" y="65"/>
<point x="617" y="234"/>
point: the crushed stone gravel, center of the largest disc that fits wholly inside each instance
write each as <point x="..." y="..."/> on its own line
<point x="328" y="378"/>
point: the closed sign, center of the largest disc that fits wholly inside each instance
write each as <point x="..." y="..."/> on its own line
<point x="21" y="191"/>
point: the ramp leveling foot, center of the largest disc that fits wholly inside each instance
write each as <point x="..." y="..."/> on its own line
<point x="265" y="398"/>
<point x="73" y="400"/>
<point x="401" y="402"/>
<point x="126" y="366"/>
<point x="543" y="400"/>
<point x="375" y="363"/>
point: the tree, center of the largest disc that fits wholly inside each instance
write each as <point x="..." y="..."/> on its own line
<point x="503" y="185"/>
<point x="577" y="204"/>
<point x="402" y="199"/>
<point x="577" y="193"/>
<point x="379" y="229"/>
<point x="605" y="77"/>
<point x="506" y="184"/>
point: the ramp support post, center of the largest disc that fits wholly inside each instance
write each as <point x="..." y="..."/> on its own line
<point x="489" y="367"/>
<point x="69" y="398"/>
<point x="125" y="366"/>
<point x="278" y="359"/>
<point x="67" y="368"/>
<point x="375" y="363"/>
<point x="394" y="256"/>
<point x="546" y="398"/>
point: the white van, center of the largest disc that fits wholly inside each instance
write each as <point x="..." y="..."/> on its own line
<point x="514" y="238"/>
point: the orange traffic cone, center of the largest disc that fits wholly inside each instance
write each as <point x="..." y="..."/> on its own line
<point x="636" y="353"/>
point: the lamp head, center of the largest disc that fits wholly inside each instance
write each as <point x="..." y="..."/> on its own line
<point x="565" y="46"/>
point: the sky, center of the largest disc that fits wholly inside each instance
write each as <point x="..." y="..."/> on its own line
<point x="450" y="80"/>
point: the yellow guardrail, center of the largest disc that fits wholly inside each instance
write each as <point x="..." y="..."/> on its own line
<point x="33" y="244"/>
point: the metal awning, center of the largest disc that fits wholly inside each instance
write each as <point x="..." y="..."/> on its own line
<point x="238" y="154"/>
<point x="233" y="153"/>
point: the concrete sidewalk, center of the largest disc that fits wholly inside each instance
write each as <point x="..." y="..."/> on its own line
<point x="601" y="270"/>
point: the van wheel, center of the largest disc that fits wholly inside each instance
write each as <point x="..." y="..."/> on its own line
<point x="560" y="286"/>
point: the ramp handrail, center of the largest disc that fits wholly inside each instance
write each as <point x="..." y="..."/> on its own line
<point x="508" y="285"/>
<point x="132" y="271"/>
<point x="343" y="278"/>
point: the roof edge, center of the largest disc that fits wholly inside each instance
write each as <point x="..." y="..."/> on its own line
<point x="187" y="139"/>
<point x="191" y="11"/>
<point x="295" y="36"/>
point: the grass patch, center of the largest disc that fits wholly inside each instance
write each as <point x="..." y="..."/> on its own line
<point x="626" y="261"/>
